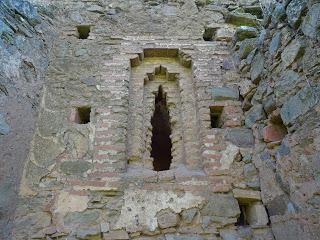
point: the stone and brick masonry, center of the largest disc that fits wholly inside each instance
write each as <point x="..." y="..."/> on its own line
<point x="227" y="90"/>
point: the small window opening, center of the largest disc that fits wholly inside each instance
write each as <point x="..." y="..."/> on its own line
<point x="81" y="115"/>
<point x="209" y="34"/>
<point x="243" y="219"/>
<point x="161" y="130"/>
<point x="215" y="116"/>
<point x="83" y="31"/>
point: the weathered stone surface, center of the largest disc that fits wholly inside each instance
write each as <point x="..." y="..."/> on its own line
<point x="279" y="13"/>
<point x="167" y="218"/>
<point x="90" y="232"/>
<point x="292" y="52"/>
<point x="242" y="19"/>
<point x="273" y="133"/>
<point x="116" y="235"/>
<point x="294" y="11"/>
<point x="244" y="32"/>
<point x="257" y="68"/>
<point x="299" y="104"/>
<point x="275" y="43"/>
<point x="75" y="167"/>
<point x="182" y="237"/>
<point x="257" y="215"/>
<point x="240" y="137"/>
<point x="311" y="22"/>
<point x="221" y="205"/>
<point x="246" y="195"/>
<point x="289" y="82"/>
<point x="255" y="114"/>
<point x="4" y="127"/>
<point x="246" y="47"/>
<point x="188" y="215"/>
<point x="225" y="93"/>
<point x="67" y="203"/>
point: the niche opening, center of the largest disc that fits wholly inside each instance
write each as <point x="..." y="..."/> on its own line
<point x="83" y="31"/>
<point x="209" y="34"/>
<point x="215" y="116"/>
<point x="81" y="115"/>
<point x="243" y="219"/>
<point x="161" y="130"/>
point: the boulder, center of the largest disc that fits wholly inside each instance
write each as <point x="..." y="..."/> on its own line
<point x="311" y="22"/>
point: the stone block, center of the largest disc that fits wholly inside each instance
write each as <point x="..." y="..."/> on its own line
<point x="246" y="195"/>
<point x="273" y="133"/>
<point x="188" y="215"/>
<point x="294" y="12"/>
<point x="75" y="167"/>
<point x="311" y="22"/>
<point x="221" y="205"/>
<point x="257" y="68"/>
<point x="244" y="32"/>
<point x="299" y="104"/>
<point x="116" y="235"/>
<point x="247" y="46"/>
<point x="241" y="137"/>
<point x="167" y="218"/>
<point x="242" y="19"/>
<point x="257" y="215"/>
<point x="225" y="93"/>
<point x="275" y="43"/>
<point x="292" y="52"/>
<point x="183" y="237"/>
<point x="90" y="232"/>
<point x="255" y="114"/>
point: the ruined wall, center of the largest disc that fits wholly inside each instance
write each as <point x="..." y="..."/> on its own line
<point x="25" y="39"/>
<point x="280" y="85"/>
<point x="243" y="158"/>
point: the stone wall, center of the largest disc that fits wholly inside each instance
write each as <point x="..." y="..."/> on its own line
<point x="25" y="39"/>
<point x="280" y="79"/>
<point x="244" y="158"/>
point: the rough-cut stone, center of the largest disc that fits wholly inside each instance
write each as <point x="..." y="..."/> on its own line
<point x="67" y="202"/>
<point x="275" y="44"/>
<point x="244" y="32"/>
<point x="221" y="205"/>
<point x="311" y="22"/>
<point x="91" y="232"/>
<point x="75" y="167"/>
<point x="279" y="13"/>
<point x="188" y="215"/>
<point x="273" y="133"/>
<point x="299" y="104"/>
<point x="116" y="235"/>
<point x="246" y="195"/>
<point x="257" y="215"/>
<point x="292" y="52"/>
<point x="246" y="47"/>
<point x="255" y="114"/>
<point x="242" y="19"/>
<point x="225" y="93"/>
<point x="240" y="137"/>
<point x="294" y="11"/>
<point x="257" y="68"/>
<point x="167" y="218"/>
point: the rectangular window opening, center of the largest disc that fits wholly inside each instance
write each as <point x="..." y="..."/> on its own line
<point x="215" y="116"/>
<point x="81" y="115"/>
<point x="83" y="31"/>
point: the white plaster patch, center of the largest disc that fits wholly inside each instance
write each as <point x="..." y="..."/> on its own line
<point x="141" y="206"/>
<point x="71" y="203"/>
<point x="228" y="156"/>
